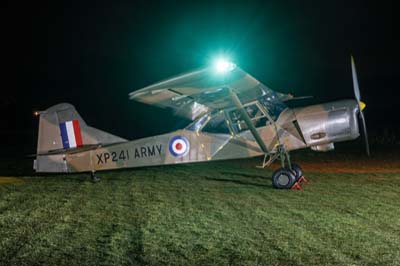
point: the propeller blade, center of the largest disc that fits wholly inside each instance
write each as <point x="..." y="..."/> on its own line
<point x="365" y="133"/>
<point x="355" y="80"/>
<point x="359" y="103"/>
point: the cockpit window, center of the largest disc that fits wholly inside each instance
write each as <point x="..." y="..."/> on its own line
<point x="198" y="124"/>
<point x="273" y="104"/>
<point x="217" y="124"/>
<point x="257" y="117"/>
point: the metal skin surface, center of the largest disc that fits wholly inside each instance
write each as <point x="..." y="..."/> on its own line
<point x="234" y="116"/>
<point x="329" y="122"/>
<point x="312" y="126"/>
<point x="193" y="94"/>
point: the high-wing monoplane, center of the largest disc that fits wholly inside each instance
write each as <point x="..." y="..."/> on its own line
<point x="233" y="116"/>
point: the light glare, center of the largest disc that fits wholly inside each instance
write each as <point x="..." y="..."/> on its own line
<point x="222" y="65"/>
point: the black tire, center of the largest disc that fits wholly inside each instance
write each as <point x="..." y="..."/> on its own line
<point x="283" y="179"/>
<point x="298" y="171"/>
<point x="95" y="178"/>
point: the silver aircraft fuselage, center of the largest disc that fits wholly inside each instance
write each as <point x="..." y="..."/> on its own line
<point x="317" y="126"/>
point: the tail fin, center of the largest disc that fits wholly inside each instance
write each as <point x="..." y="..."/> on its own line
<point x="61" y="128"/>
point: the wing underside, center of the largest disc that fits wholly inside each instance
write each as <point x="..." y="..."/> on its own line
<point x="198" y="92"/>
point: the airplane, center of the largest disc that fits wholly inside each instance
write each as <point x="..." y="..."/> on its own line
<point x="233" y="116"/>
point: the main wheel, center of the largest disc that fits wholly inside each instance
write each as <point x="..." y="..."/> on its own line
<point x="297" y="169"/>
<point x="283" y="178"/>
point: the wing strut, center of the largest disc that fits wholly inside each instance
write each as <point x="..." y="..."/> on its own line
<point x="247" y="120"/>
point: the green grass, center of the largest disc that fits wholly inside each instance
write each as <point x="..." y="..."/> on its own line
<point x="219" y="213"/>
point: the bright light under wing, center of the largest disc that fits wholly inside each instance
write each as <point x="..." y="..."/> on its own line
<point x="222" y="65"/>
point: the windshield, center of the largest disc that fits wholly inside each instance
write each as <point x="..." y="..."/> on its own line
<point x="272" y="103"/>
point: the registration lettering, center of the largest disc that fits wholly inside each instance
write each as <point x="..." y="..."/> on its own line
<point x="124" y="155"/>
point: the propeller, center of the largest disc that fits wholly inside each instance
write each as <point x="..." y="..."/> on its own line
<point x="360" y="104"/>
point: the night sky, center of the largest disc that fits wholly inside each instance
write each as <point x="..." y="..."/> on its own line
<point x="92" y="54"/>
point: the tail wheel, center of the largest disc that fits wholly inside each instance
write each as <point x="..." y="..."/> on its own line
<point x="95" y="178"/>
<point x="297" y="170"/>
<point x="283" y="179"/>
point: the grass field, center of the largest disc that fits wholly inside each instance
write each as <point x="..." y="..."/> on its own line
<point x="219" y="213"/>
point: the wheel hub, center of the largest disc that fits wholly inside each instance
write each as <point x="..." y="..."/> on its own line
<point x="283" y="180"/>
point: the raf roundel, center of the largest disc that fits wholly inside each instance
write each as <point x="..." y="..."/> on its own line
<point x="179" y="146"/>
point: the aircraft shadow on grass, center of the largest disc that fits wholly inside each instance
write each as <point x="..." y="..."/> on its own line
<point x="240" y="182"/>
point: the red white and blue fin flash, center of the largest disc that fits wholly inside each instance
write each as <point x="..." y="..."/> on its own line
<point x="71" y="134"/>
<point x="179" y="146"/>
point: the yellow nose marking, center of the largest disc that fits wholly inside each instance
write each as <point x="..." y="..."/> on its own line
<point x="362" y="105"/>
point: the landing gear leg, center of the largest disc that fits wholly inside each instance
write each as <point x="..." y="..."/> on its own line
<point x="94" y="177"/>
<point x="268" y="160"/>
<point x="284" y="156"/>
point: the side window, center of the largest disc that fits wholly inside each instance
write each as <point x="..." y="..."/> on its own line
<point x="217" y="124"/>
<point x="196" y="125"/>
<point x="257" y="117"/>
<point x="272" y="103"/>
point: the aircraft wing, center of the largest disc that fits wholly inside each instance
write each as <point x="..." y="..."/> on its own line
<point x="198" y="92"/>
